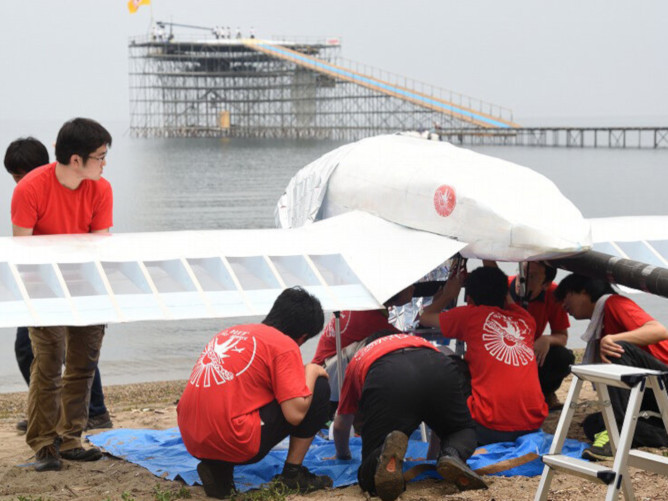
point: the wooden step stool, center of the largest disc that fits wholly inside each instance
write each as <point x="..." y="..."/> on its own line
<point x="617" y="477"/>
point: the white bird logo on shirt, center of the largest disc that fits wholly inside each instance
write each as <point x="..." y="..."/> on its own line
<point x="209" y="368"/>
<point x="504" y="339"/>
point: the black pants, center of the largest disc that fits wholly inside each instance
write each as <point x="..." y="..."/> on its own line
<point x="650" y="432"/>
<point x="556" y="367"/>
<point x="275" y="428"/>
<point x="404" y="388"/>
<point x="24" y="357"/>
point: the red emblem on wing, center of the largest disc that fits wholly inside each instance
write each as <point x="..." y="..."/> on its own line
<point x="445" y="200"/>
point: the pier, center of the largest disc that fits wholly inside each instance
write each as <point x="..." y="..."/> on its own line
<point x="206" y="86"/>
<point x="211" y="87"/>
<point x="566" y="137"/>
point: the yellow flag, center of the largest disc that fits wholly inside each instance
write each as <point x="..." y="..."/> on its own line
<point x="133" y="5"/>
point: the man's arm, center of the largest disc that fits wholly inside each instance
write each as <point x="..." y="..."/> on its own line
<point x="342" y="425"/>
<point x="541" y="346"/>
<point x="296" y="408"/>
<point x="18" y="231"/>
<point x="106" y="230"/>
<point x="429" y="316"/>
<point x="651" y="332"/>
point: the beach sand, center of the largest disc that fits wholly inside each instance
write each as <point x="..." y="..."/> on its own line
<point x="153" y="405"/>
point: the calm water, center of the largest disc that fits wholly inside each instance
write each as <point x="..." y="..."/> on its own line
<point x="181" y="184"/>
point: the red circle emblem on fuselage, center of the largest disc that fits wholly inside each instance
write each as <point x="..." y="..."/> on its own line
<point x="445" y="200"/>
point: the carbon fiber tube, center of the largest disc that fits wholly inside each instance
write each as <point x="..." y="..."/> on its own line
<point x="617" y="270"/>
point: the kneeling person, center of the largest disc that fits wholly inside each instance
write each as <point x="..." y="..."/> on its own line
<point x="249" y="390"/>
<point x="505" y="399"/>
<point x="398" y="381"/>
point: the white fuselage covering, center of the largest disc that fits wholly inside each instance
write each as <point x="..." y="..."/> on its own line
<point x="502" y="210"/>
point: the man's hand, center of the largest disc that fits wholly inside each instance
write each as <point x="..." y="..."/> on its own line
<point x="541" y="347"/>
<point x="341" y="430"/>
<point x="609" y="349"/>
<point x="315" y="371"/>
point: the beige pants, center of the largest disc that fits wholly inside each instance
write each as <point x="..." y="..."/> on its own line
<point x="58" y="404"/>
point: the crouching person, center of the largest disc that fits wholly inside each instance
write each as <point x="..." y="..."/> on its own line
<point x="397" y="382"/>
<point x="249" y="390"/>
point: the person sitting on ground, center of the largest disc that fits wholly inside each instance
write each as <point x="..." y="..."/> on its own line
<point x="620" y="332"/>
<point x="354" y="327"/>
<point x="69" y="196"/>
<point x="249" y="390"/>
<point x="505" y="398"/>
<point x="399" y="381"/>
<point x="553" y="358"/>
<point x="22" y="156"/>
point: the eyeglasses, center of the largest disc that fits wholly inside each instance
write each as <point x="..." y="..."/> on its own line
<point x="101" y="158"/>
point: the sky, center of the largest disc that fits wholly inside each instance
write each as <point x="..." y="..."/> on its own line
<point x="550" y="62"/>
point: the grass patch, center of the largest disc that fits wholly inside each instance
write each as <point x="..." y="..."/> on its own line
<point x="274" y="491"/>
<point x="168" y="495"/>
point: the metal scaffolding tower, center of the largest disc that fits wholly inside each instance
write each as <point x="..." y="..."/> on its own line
<point x="206" y="87"/>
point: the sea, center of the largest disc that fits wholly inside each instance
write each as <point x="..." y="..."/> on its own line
<point x="182" y="184"/>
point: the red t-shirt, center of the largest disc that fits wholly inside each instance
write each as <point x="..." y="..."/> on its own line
<point x="506" y="394"/>
<point x="241" y="369"/>
<point x="621" y="314"/>
<point x="353" y="382"/>
<point x="40" y="202"/>
<point x="355" y="326"/>
<point x="546" y="309"/>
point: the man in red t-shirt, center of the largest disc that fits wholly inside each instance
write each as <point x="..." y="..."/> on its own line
<point x="23" y="155"/>
<point x="506" y="401"/>
<point x="65" y="197"/>
<point x="553" y="358"/>
<point x="249" y="390"/>
<point x="355" y="327"/>
<point x="629" y="336"/>
<point x="397" y="382"/>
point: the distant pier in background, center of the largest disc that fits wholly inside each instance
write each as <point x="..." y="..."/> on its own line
<point x="566" y="137"/>
<point x="213" y="85"/>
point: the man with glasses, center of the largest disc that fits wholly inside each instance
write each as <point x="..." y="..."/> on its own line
<point x="68" y="196"/>
<point x="22" y="156"/>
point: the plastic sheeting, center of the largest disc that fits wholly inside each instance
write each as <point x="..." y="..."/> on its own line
<point x="162" y="453"/>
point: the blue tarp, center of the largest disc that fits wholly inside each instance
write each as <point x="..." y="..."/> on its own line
<point x="162" y="453"/>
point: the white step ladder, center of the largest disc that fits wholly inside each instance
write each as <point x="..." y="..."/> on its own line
<point x="615" y="477"/>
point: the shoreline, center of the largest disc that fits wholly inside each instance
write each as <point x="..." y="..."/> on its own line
<point x="153" y="405"/>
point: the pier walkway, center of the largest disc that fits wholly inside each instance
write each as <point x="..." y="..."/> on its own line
<point x="467" y="115"/>
<point x="569" y="137"/>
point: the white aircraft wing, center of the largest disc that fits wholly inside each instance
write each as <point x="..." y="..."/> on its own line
<point x="351" y="262"/>
<point x="640" y="238"/>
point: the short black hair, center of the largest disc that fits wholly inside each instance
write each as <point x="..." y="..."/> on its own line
<point x="24" y="154"/>
<point x="594" y="287"/>
<point x="80" y="136"/>
<point x="295" y="313"/>
<point x="487" y="286"/>
<point x="550" y="272"/>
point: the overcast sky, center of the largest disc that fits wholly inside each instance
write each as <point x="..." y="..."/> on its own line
<point x="545" y="60"/>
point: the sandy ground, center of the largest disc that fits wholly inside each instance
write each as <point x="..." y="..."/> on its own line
<point x="152" y="405"/>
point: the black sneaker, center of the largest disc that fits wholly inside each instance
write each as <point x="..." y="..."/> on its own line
<point x="48" y="459"/>
<point x="22" y="426"/>
<point x="299" y="478"/>
<point x="600" y="450"/>
<point x="100" y="421"/>
<point x="389" y="477"/>
<point x="217" y="479"/>
<point x="455" y="471"/>
<point x="81" y="454"/>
